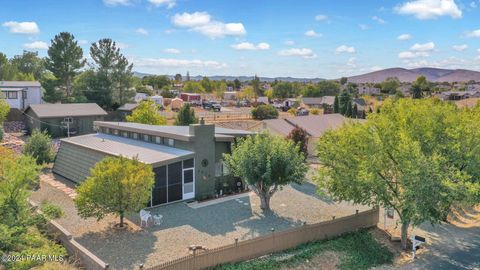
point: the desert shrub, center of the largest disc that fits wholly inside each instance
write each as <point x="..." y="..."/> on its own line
<point x="51" y="211"/>
<point x="39" y="146"/>
<point x="315" y="111"/>
<point x="292" y="111"/>
<point x="264" y="112"/>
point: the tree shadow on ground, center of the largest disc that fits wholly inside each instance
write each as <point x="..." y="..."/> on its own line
<point x="311" y="189"/>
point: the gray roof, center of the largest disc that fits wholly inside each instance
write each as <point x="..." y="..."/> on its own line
<point x="20" y="84"/>
<point x="128" y="107"/>
<point x="66" y="110"/>
<point x="329" y="100"/>
<point x="315" y="125"/>
<point x="11" y="88"/>
<point x="359" y="101"/>
<point x="147" y="153"/>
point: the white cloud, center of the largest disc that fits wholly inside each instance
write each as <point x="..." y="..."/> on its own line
<point x="312" y="33"/>
<point x="302" y="52"/>
<point x="142" y="31"/>
<point x="430" y="9"/>
<point x="168" y="3"/>
<point x="112" y="3"/>
<point x="247" y="46"/>
<point x="28" y="28"/>
<point x="321" y="17"/>
<point x="363" y="26"/>
<point x="404" y="37"/>
<point x="426" y="47"/>
<point x="474" y="34"/>
<point x="460" y="48"/>
<point x="172" y="50"/>
<point x="202" y="22"/>
<point x="289" y="42"/>
<point x="344" y="49"/>
<point x="168" y="62"/>
<point x="378" y="19"/>
<point x="36" y="45"/>
<point x="412" y="55"/>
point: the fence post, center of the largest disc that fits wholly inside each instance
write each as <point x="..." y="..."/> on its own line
<point x="141" y="266"/>
<point x="107" y="266"/>
<point x="273" y="239"/>
<point x="333" y="217"/>
<point x="236" y="241"/>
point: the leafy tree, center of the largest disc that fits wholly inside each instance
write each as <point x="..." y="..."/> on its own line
<point x="186" y="116"/>
<point x="264" y="112"/>
<point x="4" y="109"/>
<point x="206" y="84"/>
<point x="237" y="84"/>
<point x="419" y="86"/>
<point x="116" y="185"/>
<point x="29" y="63"/>
<point x="178" y="78"/>
<point x="343" y="80"/>
<point x="148" y="113"/>
<point x="416" y="156"/>
<point x="349" y="112"/>
<point x="193" y="87"/>
<point x="65" y="59"/>
<point x="336" y="105"/>
<point x="355" y="111"/>
<point x="187" y="77"/>
<point x="266" y="163"/>
<point x="300" y="137"/>
<point x="322" y="88"/>
<point x="284" y="90"/>
<point x="257" y="90"/>
<point x="39" y="146"/>
<point x="390" y="85"/>
<point x="157" y="82"/>
<point x="343" y="102"/>
<point x="51" y="85"/>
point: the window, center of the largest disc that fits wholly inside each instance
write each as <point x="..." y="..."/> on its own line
<point x="146" y="137"/>
<point x="68" y="120"/>
<point x="115" y="131"/>
<point x="24" y="94"/>
<point x="171" y="142"/>
<point x="135" y="136"/>
<point x="12" y="95"/>
<point x="125" y="134"/>
<point x="158" y="140"/>
<point x="107" y="130"/>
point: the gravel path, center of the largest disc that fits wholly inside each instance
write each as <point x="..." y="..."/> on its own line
<point x="210" y="226"/>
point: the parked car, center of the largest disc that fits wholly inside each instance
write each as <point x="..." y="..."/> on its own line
<point x="302" y="111"/>
<point x="216" y="107"/>
<point x="211" y="105"/>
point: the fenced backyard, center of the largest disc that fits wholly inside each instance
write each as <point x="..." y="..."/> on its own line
<point x="273" y="242"/>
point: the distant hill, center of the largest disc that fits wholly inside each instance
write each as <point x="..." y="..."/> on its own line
<point x="241" y="78"/>
<point x="409" y="75"/>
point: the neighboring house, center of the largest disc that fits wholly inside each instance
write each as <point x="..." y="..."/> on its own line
<point x="59" y="119"/>
<point x="126" y="110"/>
<point x="315" y="125"/>
<point x="186" y="160"/>
<point x="458" y="95"/>
<point x="230" y="95"/>
<point x="368" y="90"/>
<point x="140" y="96"/>
<point x="325" y="102"/>
<point x="21" y="94"/>
<point x="191" y="98"/>
<point x="362" y="106"/>
<point x="158" y="100"/>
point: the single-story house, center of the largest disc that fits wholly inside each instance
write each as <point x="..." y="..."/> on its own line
<point x="458" y="95"/>
<point x="192" y="98"/>
<point x="126" y="109"/>
<point x="368" y="90"/>
<point x="325" y="102"/>
<point x="158" y="100"/>
<point x="362" y="106"/>
<point x="21" y="94"/>
<point x="186" y="160"/>
<point x="315" y="125"/>
<point x="230" y="95"/>
<point x="140" y="96"/>
<point x="59" y="119"/>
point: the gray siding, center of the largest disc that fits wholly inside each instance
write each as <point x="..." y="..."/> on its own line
<point x="74" y="162"/>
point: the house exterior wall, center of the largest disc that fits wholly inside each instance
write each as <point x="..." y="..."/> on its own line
<point x="34" y="96"/>
<point x="83" y="125"/>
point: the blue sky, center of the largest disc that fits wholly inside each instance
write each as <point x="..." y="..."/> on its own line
<point x="301" y="38"/>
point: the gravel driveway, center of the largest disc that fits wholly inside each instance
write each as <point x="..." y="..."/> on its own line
<point x="210" y="226"/>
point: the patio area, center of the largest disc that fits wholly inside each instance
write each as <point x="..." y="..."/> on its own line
<point x="211" y="226"/>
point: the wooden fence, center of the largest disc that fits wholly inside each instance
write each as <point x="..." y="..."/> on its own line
<point x="274" y="242"/>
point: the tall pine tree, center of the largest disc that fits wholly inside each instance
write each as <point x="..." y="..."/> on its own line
<point x="336" y="106"/>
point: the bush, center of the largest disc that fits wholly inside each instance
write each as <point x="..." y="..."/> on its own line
<point x="315" y="111"/>
<point x="292" y="111"/>
<point x="264" y="112"/>
<point x="39" y="146"/>
<point x="1" y="133"/>
<point x="51" y="211"/>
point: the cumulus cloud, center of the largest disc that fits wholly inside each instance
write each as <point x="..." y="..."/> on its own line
<point x="202" y="22"/>
<point x="168" y="3"/>
<point x="172" y="50"/>
<point x="345" y="49"/>
<point x="312" y="33"/>
<point x="142" y="31"/>
<point x="426" y="47"/>
<point x="112" y="3"/>
<point x="378" y="19"/>
<point x="412" y="55"/>
<point x="460" y="48"/>
<point x="430" y="9"/>
<point x="321" y="17"/>
<point x="36" y="45"/>
<point x="28" y="28"/>
<point x="474" y="34"/>
<point x="302" y="52"/>
<point x="247" y="46"/>
<point x="404" y="37"/>
<point x="172" y="63"/>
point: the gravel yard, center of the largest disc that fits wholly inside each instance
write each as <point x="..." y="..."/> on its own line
<point x="210" y="226"/>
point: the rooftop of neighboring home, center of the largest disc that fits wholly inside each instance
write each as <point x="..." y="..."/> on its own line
<point x="183" y="133"/>
<point x="65" y="110"/>
<point x="315" y="125"/>
<point x="328" y="100"/>
<point x="128" y="107"/>
<point x="359" y="101"/>
<point x="19" y="84"/>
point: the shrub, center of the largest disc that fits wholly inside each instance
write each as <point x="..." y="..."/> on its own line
<point x="51" y="211"/>
<point x="1" y="133"/>
<point x="39" y="146"/>
<point x="292" y="111"/>
<point x="315" y="111"/>
<point x="186" y="116"/>
<point x="264" y="112"/>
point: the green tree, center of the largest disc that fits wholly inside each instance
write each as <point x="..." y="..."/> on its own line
<point x="416" y="157"/>
<point x="65" y="59"/>
<point x="40" y="147"/>
<point x="148" y="113"/>
<point x="264" y="112"/>
<point x="116" y="185"/>
<point x="420" y="86"/>
<point x="343" y="80"/>
<point x="193" y="87"/>
<point x="266" y="163"/>
<point x="390" y="85"/>
<point x="300" y="137"/>
<point x="284" y="90"/>
<point x="336" y="105"/>
<point x="178" y="78"/>
<point x="29" y="63"/>
<point x="186" y="116"/>
<point x="51" y="85"/>
<point x="343" y="102"/>
<point x="355" y="111"/>
<point x="206" y="84"/>
<point x="4" y="109"/>
<point x="257" y="90"/>
<point x="349" y="111"/>
<point x="237" y="84"/>
<point x="322" y="88"/>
